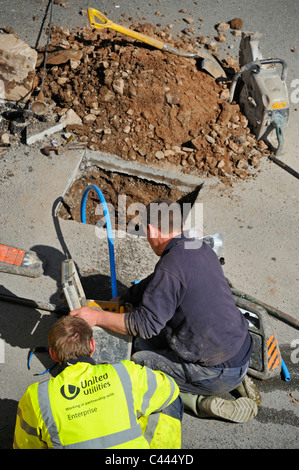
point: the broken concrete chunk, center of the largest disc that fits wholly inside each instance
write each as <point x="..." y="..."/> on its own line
<point x="39" y="130"/>
<point x="222" y="27"/>
<point x="209" y="139"/>
<point x="118" y="86"/>
<point x="70" y="117"/>
<point x="172" y="98"/>
<point x="74" y="63"/>
<point x="89" y="118"/>
<point x="159" y="155"/>
<point x="62" y="80"/>
<point x="17" y="68"/>
<point x="225" y="94"/>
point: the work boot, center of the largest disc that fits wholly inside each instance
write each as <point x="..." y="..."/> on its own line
<point x="237" y="411"/>
<point x="190" y="402"/>
<point x="249" y="390"/>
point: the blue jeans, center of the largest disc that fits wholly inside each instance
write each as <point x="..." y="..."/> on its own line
<point x="191" y="378"/>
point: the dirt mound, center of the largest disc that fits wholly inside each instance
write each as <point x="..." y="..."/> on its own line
<point x="147" y="105"/>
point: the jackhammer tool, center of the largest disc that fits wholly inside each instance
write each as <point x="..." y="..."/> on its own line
<point x="74" y="292"/>
<point x="71" y="285"/>
<point x="110" y="346"/>
<point x="209" y="63"/>
<point x="263" y="97"/>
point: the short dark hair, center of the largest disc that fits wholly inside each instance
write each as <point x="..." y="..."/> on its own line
<point x="70" y="338"/>
<point x="164" y="213"/>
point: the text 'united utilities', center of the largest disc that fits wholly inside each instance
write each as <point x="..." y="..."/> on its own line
<point x="96" y="383"/>
<point x="88" y="386"/>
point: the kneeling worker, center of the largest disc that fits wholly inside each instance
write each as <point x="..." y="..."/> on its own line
<point x="185" y="321"/>
<point x="89" y="406"/>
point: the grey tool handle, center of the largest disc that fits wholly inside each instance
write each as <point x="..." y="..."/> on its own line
<point x="256" y="65"/>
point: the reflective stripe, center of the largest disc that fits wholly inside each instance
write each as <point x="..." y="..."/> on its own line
<point x="25" y="426"/>
<point x="102" y="442"/>
<point x="151" y="426"/>
<point x="153" y="418"/>
<point x="47" y="415"/>
<point x="152" y="387"/>
<point x="110" y="440"/>
<point x="128" y="389"/>
<point x="172" y="390"/>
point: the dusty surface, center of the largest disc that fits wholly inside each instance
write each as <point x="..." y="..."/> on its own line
<point x="146" y="105"/>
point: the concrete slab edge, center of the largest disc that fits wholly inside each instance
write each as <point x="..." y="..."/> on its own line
<point x="75" y="173"/>
<point x="110" y="162"/>
<point x="40" y="134"/>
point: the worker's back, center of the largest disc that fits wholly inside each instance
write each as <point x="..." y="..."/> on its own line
<point x="206" y="327"/>
<point x="93" y="406"/>
<point x="188" y="298"/>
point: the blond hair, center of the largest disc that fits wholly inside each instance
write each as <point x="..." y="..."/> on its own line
<point x="70" y="338"/>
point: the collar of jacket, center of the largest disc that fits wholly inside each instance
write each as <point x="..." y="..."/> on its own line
<point x="71" y="362"/>
<point x="173" y="242"/>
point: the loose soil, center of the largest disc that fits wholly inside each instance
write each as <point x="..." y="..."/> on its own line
<point x="146" y="105"/>
<point x="112" y="186"/>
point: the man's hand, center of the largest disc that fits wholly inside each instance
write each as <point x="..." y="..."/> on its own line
<point x="90" y="315"/>
<point x="109" y="320"/>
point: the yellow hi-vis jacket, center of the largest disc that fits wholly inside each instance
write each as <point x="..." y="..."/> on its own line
<point x="99" y="406"/>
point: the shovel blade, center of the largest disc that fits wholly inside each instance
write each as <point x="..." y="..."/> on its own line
<point x="213" y="68"/>
<point x="210" y="64"/>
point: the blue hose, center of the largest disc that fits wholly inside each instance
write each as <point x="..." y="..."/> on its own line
<point x="285" y="371"/>
<point x="109" y="231"/>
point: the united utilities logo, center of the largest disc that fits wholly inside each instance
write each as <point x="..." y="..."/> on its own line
<point x="69" y="391"/>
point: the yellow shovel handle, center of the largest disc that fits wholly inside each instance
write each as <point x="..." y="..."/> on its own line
<point x="106" y="23"/>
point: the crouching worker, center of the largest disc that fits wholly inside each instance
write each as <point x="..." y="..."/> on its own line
<point x="97" y="406"/>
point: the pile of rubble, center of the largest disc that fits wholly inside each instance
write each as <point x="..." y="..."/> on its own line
<point x="145" y="105"/>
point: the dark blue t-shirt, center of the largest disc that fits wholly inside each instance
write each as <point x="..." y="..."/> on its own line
<point x="188" y="300"/>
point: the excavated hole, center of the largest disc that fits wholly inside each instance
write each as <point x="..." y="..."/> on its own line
<point x="112" y="185"/>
